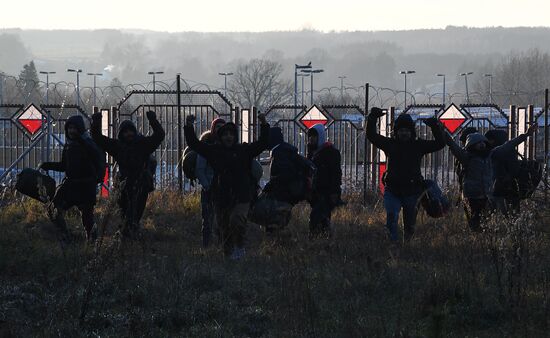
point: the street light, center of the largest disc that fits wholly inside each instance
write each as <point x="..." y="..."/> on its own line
<point x="47" y="84"/>
<point x="406" y="72"/>
<point x="225" y="75"/>
<point x="77" y="71"/>
<point x="490" y="76"/>
<point x="296" y="67"/>
<point x="154" y="87"/>
<point x="95" y="75"/>
<point x="311" y="72"/>
<point x="303" y="75"/>
<point x="444" y="93"/>
<point x="342" y="87"/>
<point x="466" y="82"/>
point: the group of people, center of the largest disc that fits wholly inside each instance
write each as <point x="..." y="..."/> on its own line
<point x="486" y="166"/>
<point x="83" y="162"/>
<point x="230" y="192"/>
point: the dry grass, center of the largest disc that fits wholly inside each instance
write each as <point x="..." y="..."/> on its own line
<point x="447" y="282"/>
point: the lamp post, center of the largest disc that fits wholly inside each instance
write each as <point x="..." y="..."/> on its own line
<point x="342" y="87"/>
<point x="47" y="84"/>
<point x="77" y="71"/>
<point x="311" y="72"/>
<point x="406" y="72"/>
<point x="95" y="75"/>
<point x="490" y="77"/>
<point x="303" y="75"/>
<point x="444" y="93"/>
<point x="466" y="82"/>
<point x="154" y="85"/>
<point x="225" y="75"/>
<point x="296" y="67"/>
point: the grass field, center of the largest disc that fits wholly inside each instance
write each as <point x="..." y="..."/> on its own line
<point x="446" y="283"/>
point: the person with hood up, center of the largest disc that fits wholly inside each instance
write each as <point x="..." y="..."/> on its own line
<point x="506" y="167"/>
<point x="132" y="152"/>
<point x="233" y="185"/>
<point x="81" y="161"/>
<point x="477" y="160"/>
<point x="290" y="175"/>
<point x="327" y="181"/>
<point x="205" y="175"/>
<point x="403" y="179"/>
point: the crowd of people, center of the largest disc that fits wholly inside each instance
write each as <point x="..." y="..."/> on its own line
<point x="230" y="193"/>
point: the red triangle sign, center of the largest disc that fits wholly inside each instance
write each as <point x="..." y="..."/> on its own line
<point x="453" y="118"/>
<point x="314" y="116"/>
<point x="31" y="125"/>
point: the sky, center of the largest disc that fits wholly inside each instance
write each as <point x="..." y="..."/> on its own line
<point x="276" y="15"/>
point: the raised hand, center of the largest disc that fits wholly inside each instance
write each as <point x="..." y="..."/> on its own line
<point x="190" y="120"/>
<point x="262" y="118"/>
<point x="151" y="115"/>
<point x="376" y="112"/>
<point x="532" y="129"/>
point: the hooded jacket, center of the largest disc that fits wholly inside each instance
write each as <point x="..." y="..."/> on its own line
<point x="233" y="182"/>
<point x="204" y="171"/>
<point x="132" y="157"/>
<point x="403" y="175"/>
<point x="287" y="169"/>
<point x="506" y="165"/>
<point x="80" y="159"/>
<point x="327" y="179"/>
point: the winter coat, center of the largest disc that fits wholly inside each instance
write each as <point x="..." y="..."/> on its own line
<point x="506" y="165"/>
<point x="327" y="179"/>
<point x="233" y="182"/>
<point x="403" y="176"/>
<point x="287" y="169"/>
<point x="203" y="170"/>
<point x="79" y="162"/>
<point x="132" y="157"/>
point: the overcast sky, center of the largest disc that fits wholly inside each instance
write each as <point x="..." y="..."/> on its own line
<point x="261" y="15"/>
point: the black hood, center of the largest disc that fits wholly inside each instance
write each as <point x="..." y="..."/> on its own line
<point x="124" y="125"/>
<point x="78" y="122"/>
<point x="405" y="121"/>
<point x="498" y="136"/>
<point x="275" y="137"/>
<point x="232" y="127"/>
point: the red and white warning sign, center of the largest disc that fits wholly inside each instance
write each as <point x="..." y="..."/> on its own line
<point x="31" y="119"/>
<point x="314" y="116"/>
<point x="453" y="118"/>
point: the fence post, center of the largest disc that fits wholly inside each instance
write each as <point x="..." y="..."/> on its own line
<point x="531" y="142"/>
<point x="180" y="145"/>
<point x="546" y="150"/>
<point x="366" y="145"/>
<point x="512" y="123"/>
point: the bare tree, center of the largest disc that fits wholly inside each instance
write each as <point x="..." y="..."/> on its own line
<point x="258" y="83"/>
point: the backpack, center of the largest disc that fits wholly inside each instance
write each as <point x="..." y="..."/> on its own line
<point x="528" y="178"/>
<point x="189" y="163"/>
<point x="33" y="183"/>
<point x="303" y="185"/>
<point x="433" y="200"/>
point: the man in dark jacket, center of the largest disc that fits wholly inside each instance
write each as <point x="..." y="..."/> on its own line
<point x="289" y="180"/>
<point x="132" y="152"/>
<point x="403" y="180"/>
<point x="81" y="162"/>
<point x="233" y="185"/>
<point x="506" y="167"/>
<point x="327" y="181"/>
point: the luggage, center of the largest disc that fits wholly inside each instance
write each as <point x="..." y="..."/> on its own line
<point x="433" y="200"/>
<point x="33" y="183"/>
<point x="270" y="212"/>
<point x="189" y="163"/>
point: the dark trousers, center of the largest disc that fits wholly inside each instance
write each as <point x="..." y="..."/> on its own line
<point x="320" y="216"/>
<point x="73" y="193"/>
<point x="232" y="222"/>
<point x="475" y="208"/>
<point x="393" y="205"/>
<point x="131" y="202"/>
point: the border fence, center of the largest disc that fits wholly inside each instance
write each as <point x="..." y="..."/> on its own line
<point x="32" y="127"/>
